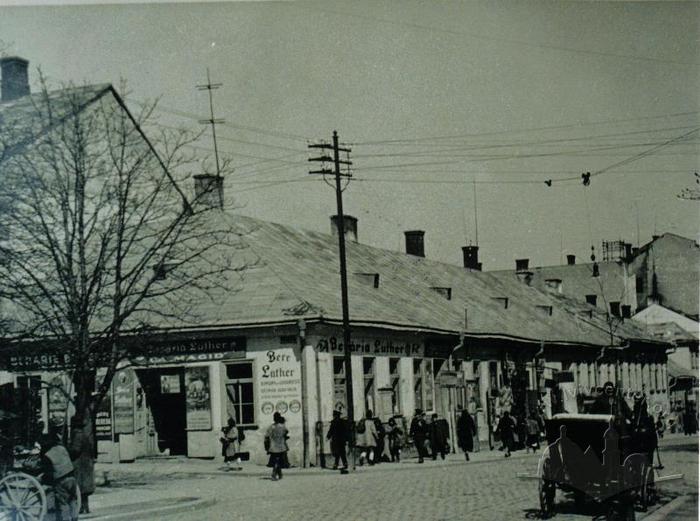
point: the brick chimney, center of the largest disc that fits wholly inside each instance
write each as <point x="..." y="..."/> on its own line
<point x="15" y="81"/>
<point x="471" y="257"/>
<point x="414" y="243"/>
<point x="349" y="224"/>
<point x="209" y="191"/>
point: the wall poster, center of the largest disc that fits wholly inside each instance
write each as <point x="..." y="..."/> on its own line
<point x="124" y="402"/>
<point x="198" y="398"/>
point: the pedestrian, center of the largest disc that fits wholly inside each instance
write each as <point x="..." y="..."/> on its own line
<point x="381" y="436"/>
<point x="58" y="473"/>
<point x="230" y="445"/>
<point x="533" y="434"/>
<point x="338" y="435"/>
<point x="395" y="436"/>
<point x="367" y="439"/>
<point x="506" y="428"/>
<point x="438" y="437"/>
<point x="466" y="430"/>
<point x="276" y="445"/>
<point x="419" y="433"/>
<point x="82" y="453"/>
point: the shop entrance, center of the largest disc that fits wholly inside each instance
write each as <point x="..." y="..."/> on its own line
<point x="165" y="397"/>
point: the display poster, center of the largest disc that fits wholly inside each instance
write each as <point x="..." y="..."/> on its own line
<point x="57" y="396"/>
<point x="280" y="383"/>
<point x="103" y="416"/>
<point x="170" y="384"/>
<point x="124" y="402"/>
<point x="198" y="398"/>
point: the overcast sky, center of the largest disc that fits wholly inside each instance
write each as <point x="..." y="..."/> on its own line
<point x="432" y="96"/>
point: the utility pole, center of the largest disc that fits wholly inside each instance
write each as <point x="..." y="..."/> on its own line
<point x="337" y="162"/>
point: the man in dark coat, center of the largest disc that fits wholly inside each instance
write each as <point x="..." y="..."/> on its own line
<point x="506" y="428"/>
<point x="338" y="435"/>
<point x="59" y="473"/>
<point x="466" y="430"/>
<point x="419" y="433"/>
<point x="439" y="433"/>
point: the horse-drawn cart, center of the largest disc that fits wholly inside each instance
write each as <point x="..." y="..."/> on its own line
<point x="597" y="457"/>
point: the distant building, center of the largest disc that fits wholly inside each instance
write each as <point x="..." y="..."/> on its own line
<point x="667" y="272"/>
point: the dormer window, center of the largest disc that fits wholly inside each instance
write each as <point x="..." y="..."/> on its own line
<point x="161" y="270"/>
<point x="502" y="300"/>
<point x="547" y="310"/>
<point x="370" y="279"/>
<point x="444" y="291"/>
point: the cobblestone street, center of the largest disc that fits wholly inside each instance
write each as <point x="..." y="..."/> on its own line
<point x="449" y="490"/>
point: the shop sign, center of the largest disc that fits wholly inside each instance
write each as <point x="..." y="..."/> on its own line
<point x="190" y="350"/>
<point x="198" y="398"/>
<point x="124" y="402"/>
<point x="35" y="362"/>
<point x="448" y="378"/>
<point x="377" y="346"/>
<point x="280" y="383"/>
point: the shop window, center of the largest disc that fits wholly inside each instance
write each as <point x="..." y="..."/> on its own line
<point x="368" y="376"/>
<point x="429" y="376"/>
<point x="29" y="404"/>
<point x="339" y="400"/>
<point x="493" y="375"/>
<point x="240" y="404"/>
<point x="395" y="379"/>
<point x="694" y="359"/>
<point x="418" y="383"/>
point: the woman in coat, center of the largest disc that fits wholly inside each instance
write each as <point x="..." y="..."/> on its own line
<point x="438" y="437"/>
<point x="367" y="438"/>
<point x="466" y="430"/>
<point x="276" y="445"/>
<point x="82" y="453"/>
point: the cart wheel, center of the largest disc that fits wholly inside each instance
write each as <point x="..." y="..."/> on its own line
<point x="547" y="491"/>
<point x="21" y="498"/>
<point x="647" y="492"/>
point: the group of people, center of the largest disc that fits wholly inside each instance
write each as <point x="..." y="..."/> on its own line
<point x="67" y="467"/>
<point x="275" y="441"/>
<point x="528" y="430"/>
<point x="430" y="437"/>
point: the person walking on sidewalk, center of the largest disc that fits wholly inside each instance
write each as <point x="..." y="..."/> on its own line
<point x="230" y="445"/>
<point x="506" y="428"/>
<point x="395" y="436"/>
<point x="82" y="452"/>
<point x="533" y="434"/>
<point x="276" y="445"/>
<point x="466" y="430"/>
<point x="438" y="436"/>
<point x="338" y="435"/>
<point x="419" y="432"/>
<point x="367" y="438"/>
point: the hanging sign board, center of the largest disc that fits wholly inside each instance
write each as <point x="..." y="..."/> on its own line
<point x="198" y="398"/>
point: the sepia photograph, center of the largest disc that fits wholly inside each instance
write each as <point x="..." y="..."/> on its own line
<point x="372" y="260"/>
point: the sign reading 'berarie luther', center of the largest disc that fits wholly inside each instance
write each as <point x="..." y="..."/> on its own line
<point x="372" y="347"/>
<point x="189" y="350"/>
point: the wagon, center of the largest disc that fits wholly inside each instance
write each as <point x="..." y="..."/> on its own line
<point x="596" y="457"/>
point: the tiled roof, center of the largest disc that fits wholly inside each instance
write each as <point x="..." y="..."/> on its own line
<point x="297" y="276"/>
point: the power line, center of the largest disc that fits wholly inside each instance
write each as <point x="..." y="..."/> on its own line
<point x="519" y="43"/>
<point x="527" y="129"/>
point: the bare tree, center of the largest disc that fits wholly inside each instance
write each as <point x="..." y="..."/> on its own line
<point x="100" y="245"/>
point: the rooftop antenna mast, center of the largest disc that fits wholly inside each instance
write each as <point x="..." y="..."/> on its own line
<point x="212" y="120"/>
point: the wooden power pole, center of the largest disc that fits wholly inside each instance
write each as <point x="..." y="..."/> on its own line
<point x="335" y="149"/>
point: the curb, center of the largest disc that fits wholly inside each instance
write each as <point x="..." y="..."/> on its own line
<point x="315" y="471"/>
<point x="662" y="513"/>
<point x="148" y="513"/>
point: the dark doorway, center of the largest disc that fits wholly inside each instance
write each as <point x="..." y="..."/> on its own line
<point x="165" y="397"/>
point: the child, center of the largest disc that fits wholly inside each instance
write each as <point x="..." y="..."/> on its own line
<point x="395" y="435"/>
<point x="230" y="445"/>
